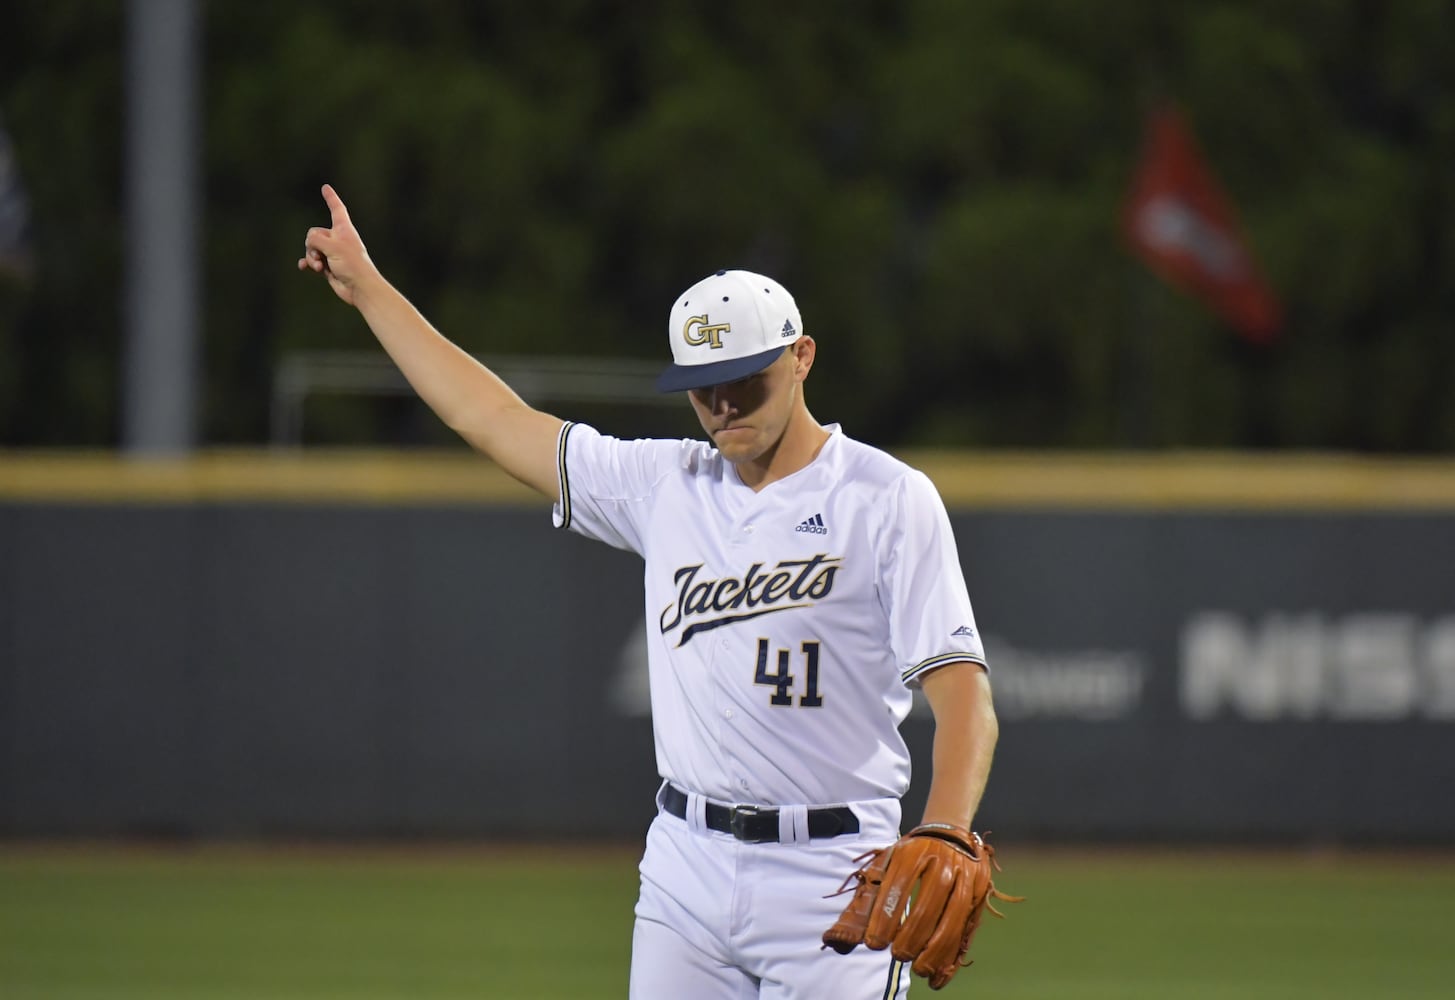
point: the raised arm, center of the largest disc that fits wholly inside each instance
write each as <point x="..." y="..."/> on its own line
<point x="465" y="394"/>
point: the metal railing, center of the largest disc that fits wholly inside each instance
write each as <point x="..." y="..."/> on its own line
<point x="537" y="379"/>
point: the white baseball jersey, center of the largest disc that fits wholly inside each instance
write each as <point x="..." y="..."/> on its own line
<point x="784" y="626"/>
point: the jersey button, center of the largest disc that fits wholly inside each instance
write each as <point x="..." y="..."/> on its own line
<point x="727" y="713"/>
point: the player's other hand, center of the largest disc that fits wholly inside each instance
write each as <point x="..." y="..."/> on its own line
<point x="337" y="252"/>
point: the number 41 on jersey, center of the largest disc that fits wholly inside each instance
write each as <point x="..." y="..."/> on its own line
<point x="781" y="680"/>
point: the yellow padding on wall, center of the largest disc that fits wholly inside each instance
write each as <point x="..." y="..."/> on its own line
<point x="967" y="480"/>
<point x="377" y="478"/>
<point x="1190" y="480"/>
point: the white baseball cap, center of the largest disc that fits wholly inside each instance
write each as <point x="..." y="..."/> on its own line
<point x="728" y="326"/>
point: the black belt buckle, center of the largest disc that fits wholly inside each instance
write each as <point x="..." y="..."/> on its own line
<point x="739" y="818"/>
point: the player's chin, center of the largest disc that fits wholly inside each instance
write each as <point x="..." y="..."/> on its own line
<point x="735" y="443"/>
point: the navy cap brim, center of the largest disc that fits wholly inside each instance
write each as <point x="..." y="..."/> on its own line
<point x="678" y="378"/>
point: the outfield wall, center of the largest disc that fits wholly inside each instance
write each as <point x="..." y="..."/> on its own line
<point x="1192" y="647"/>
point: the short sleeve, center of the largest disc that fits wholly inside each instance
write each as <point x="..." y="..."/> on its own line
<point x="606" y="484"/>
<point x="923" y="586"/>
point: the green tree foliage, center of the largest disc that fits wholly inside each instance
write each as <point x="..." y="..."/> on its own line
<point x="60" y="330"/>
<point x="938" y="181"/>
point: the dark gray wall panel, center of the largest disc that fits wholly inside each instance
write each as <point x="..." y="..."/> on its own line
<point x="253" y="669"/>
<point x="98" y="607"/>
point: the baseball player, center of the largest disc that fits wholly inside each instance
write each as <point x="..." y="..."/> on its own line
<point x="798" y="585"/>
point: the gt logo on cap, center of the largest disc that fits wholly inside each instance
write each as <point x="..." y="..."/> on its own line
<point x="696" y="332"/>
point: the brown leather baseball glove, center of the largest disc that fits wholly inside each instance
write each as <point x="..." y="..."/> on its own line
<point x="952" y="869"/>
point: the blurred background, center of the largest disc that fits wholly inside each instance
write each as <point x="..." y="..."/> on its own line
<point x="298" y="698"/>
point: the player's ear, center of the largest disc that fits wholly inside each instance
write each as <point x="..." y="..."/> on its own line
<point x="803" y="352"/>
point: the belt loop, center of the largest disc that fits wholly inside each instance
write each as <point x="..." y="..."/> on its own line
<point x="696" y="813"/>
<point x="793" y="824"/>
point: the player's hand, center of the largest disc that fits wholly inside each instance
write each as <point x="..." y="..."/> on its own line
<point x="338" y="252"/>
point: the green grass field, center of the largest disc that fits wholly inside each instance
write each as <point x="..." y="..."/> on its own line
<point x="236" y="924"/>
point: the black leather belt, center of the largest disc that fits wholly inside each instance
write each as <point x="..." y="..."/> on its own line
<point x="758" y="825"/>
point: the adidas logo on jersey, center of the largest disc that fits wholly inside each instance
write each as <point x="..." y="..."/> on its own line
<point x="813" y="526"/>
<point x="965" y="630"/>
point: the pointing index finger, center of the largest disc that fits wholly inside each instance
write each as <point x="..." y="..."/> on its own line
<point x="335" y="206"/>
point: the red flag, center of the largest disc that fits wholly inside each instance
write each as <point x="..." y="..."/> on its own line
<point x="1183" y="226"/>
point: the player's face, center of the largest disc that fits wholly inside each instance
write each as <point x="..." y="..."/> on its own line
<point x="746" y="418"/>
